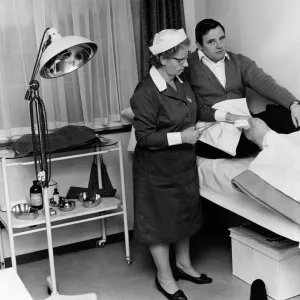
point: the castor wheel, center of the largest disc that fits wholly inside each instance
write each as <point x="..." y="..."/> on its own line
<point x="100" y="244"/>
<point x="129" y="261"/>
<point x="49" y="291"/>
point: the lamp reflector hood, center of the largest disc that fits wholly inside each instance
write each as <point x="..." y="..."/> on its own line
<point x="65" y="54"/>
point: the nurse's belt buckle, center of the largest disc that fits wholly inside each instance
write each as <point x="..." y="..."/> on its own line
<point x="188" y="99"/>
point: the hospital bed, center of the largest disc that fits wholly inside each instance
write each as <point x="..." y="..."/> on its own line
<point x="216" y="185"/>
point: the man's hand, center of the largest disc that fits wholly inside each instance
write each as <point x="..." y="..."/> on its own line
<point x="295" y="114"/>
<point x="257" y="131"/>
<point x="190" y="135"/>
<point x="232" y="117"/>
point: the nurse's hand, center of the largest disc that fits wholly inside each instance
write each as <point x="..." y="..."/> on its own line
<point x="190" y="135"/>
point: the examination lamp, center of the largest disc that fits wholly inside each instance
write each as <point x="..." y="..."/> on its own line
<point x="57" y="56"/>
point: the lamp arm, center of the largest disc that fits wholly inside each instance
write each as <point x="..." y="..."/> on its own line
<point x="40" y="143"/>
<point x="33" y="84"/>
<point x="38" y="58"/>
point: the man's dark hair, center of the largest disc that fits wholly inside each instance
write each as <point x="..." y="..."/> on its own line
<point x="204" y="26"/>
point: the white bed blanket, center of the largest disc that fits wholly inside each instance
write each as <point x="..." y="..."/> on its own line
<point x="215" y="185"/>
<point x="279" y="163"/>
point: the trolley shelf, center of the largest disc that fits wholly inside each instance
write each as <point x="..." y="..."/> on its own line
<point x="108" y="207"/>
<point x="106" y="204"/>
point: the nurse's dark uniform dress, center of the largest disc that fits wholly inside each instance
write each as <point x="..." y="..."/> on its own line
<point x="167" y="205"/>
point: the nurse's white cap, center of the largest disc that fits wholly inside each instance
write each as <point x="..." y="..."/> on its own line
<point x="167" y="39"/>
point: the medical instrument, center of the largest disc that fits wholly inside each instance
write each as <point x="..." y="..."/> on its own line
<point x="206" y="126"/>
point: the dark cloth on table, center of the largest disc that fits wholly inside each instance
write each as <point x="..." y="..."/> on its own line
<point x="167" y="205"/>
<point x="66" y="138"/>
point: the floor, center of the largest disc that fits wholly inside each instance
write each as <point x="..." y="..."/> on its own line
<point x="105" y="272"/>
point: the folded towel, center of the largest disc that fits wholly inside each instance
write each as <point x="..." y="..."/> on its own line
<point x="132" y="141"/>
<point x="225" y="136"/>
<point x="252" y="185"/>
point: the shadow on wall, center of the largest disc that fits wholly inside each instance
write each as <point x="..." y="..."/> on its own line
<point x="256" y="103"/>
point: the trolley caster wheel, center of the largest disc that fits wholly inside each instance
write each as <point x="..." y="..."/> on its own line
<point x="129" y="261"/>
<point x="100" y="244"/>
<point x="49" y="291"/>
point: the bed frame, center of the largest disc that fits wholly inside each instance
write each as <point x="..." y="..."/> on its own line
<point x="215" y="185"/>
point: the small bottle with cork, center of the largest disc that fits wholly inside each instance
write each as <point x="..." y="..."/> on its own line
<point x="56" y="196"/>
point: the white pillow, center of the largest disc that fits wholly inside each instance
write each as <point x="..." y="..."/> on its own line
<point x="132" y="141"/>
<point x="127" y="112"/>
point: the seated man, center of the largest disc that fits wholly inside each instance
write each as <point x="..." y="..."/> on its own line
<point x="216" y="75"/>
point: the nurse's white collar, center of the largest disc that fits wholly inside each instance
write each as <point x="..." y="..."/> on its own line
<point x="160" y="83"/>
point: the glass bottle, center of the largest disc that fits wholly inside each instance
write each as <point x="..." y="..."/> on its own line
<point x="36" y="195"/>
<point x="56" y="196"/>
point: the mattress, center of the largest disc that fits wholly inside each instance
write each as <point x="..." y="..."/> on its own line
<point x="215" y="177"/>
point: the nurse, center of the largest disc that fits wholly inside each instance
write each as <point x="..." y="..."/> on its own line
<point x="167" y="205"/>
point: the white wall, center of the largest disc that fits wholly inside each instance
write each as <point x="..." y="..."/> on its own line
<point x="67" y="173"/>
<point x="267" y="31"/>
<point x="191" y="17"/>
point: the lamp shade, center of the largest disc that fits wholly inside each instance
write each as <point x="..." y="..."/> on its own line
<point x="65" y="54"/>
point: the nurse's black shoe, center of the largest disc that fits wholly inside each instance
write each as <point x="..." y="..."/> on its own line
<point x="202" y="279"/>
<point x="179" y="295"/>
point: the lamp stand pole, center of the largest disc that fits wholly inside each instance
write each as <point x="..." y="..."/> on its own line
<point x="42" y="154"/>
<point x="39" y="127"/>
